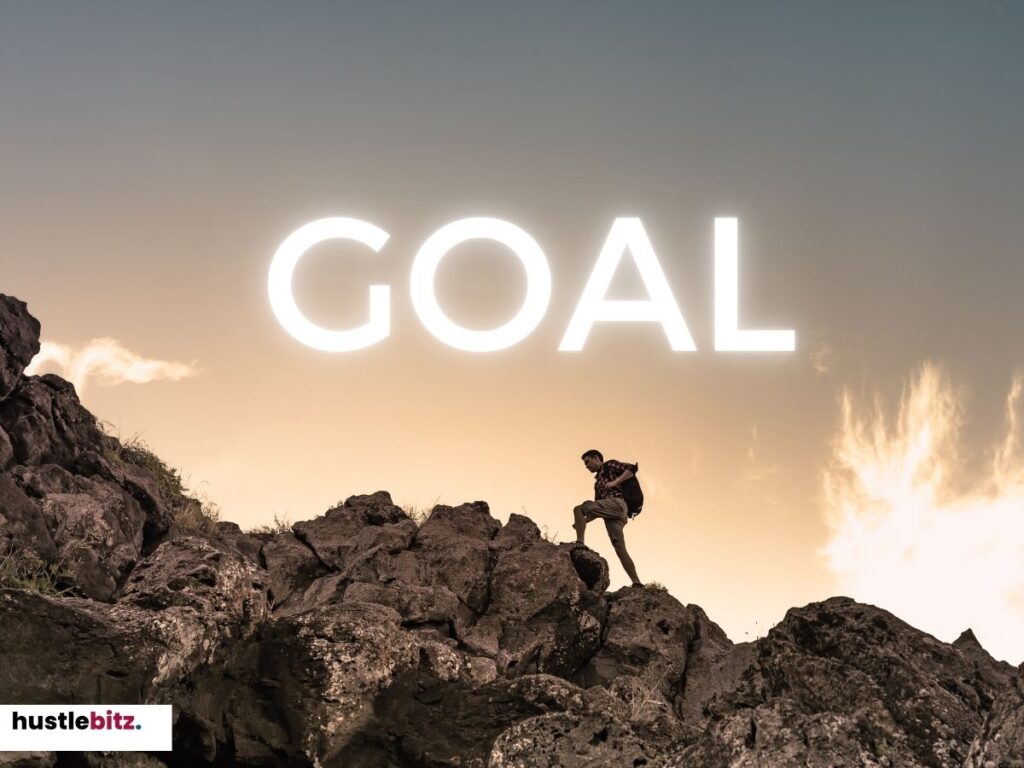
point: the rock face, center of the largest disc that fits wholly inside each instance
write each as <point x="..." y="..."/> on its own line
<point x="1000" y="742"/>
<point x="850" y="681"/>
<point x="364" y="638"/>
<point x="19" y="341"/>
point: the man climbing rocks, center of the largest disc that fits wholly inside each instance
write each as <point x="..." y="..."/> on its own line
<point x="609" y="504"/>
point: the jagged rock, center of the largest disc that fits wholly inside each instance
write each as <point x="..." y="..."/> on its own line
<point x="45" y="422"/>
<point x="332" y="537"/>
<point x="96" y="527"/>
<point x="23" y="526"/>
<point x="996" y="674"/>
<point x="291" y="566"/>
<point x="181" y="605"/>
<point x="562" y="739"/>
<point x="45" y="479"/>
<point x="415" y="604"/>
<point x="19" y="341"/>
<point x="651" y="635"/>
<point x="591" y="567"/>
<point x="543" y="615"/>
<point x="781" y="734"/>
<point x="139" y="483"/>
<point x="6" y="450"/>
<point x="100" y="536"/>
<point x="422" y="720"/>
<point x="326" y="590"/>
<point x="1000" y="742"/>
<point x="713" y="665"/>
<point x="224" y="710"/>
<point x="891" y="689"/>
<point x="326" y="667"/>
<point x="370" y="552"/>
<point x="205" y="582"/>
<point x="452" y="549"/>
<point x="28" y="759"/>
<point x="73" y="650"/>
<point x="243" y="543"/>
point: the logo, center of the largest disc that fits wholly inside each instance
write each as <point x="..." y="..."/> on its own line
<point x="85" y="727"/>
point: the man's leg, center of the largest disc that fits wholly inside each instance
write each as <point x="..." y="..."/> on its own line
<point x="615" y="516"/>
<point x="617" y="538"/>
<point x="582" y="515"/>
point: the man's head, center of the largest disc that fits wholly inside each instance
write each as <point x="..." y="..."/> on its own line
<point x="593" y="460"/>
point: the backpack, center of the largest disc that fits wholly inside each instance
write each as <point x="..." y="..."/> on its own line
<point x="632" y="493"/>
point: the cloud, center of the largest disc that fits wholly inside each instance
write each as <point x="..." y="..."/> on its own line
<point x="754" y="476"/>
<point x="822" y="359"/>
<point x="913" y="532"/>
<point x="107" y="361"/>
<point x="836" y="353"/>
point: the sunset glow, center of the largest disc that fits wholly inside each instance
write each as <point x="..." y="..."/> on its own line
<point x="913" y="532"/>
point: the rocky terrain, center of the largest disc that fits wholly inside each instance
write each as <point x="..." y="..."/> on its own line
<point x="368" y="638"/>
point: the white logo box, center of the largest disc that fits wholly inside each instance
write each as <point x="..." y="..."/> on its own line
<point x="85" y="727"/>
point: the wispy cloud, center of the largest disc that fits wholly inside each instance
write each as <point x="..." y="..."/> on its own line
<point x="756" y="474"/>
<point x="823" y="358"/>
<point x="836" y="353"/>
<point x="905" y="535"/>
<point x="106" y="361"/>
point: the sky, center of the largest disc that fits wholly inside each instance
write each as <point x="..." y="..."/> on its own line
<point x="154" y="156"/>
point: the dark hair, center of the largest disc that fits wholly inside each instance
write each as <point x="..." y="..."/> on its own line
<point x="593" y="452"/>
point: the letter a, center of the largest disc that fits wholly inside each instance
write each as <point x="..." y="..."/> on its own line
<point x="661" y="306"/>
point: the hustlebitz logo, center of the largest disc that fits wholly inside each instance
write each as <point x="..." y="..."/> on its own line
<point x="111" y="720"/>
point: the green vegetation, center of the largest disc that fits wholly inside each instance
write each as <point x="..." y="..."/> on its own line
<point x="22" y="568"/>
<point x="281" y="524"/>
<point x="189" y="510"/>
<point x="419" y="514"/>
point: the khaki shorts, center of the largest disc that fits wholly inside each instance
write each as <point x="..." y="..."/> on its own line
<point x="614" y="513"/>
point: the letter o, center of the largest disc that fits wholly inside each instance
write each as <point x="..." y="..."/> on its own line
<point x="282" y="299"/>
<point x="538" y="284"/>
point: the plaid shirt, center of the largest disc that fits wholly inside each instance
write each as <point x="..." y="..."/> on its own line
<point x="607" y="472"/>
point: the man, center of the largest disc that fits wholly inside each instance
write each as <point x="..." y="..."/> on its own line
<point x="608" y="504"/>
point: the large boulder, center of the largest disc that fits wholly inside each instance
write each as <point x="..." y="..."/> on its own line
<point x="346" y="530"/>
<point x="100" y="536"/>
<point x="452" y="550"/>
<point x="45" y="422"/>
<point x="327" y="666"/>
<point x="654" y="637"/>
<point x="25" y="532"/>
<point x="543" y="616"/>
<point x="137" y="481"/>
<point x="421" y="719"/>
<point x="291" y="566"/>
<point x="19" y="341"/>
